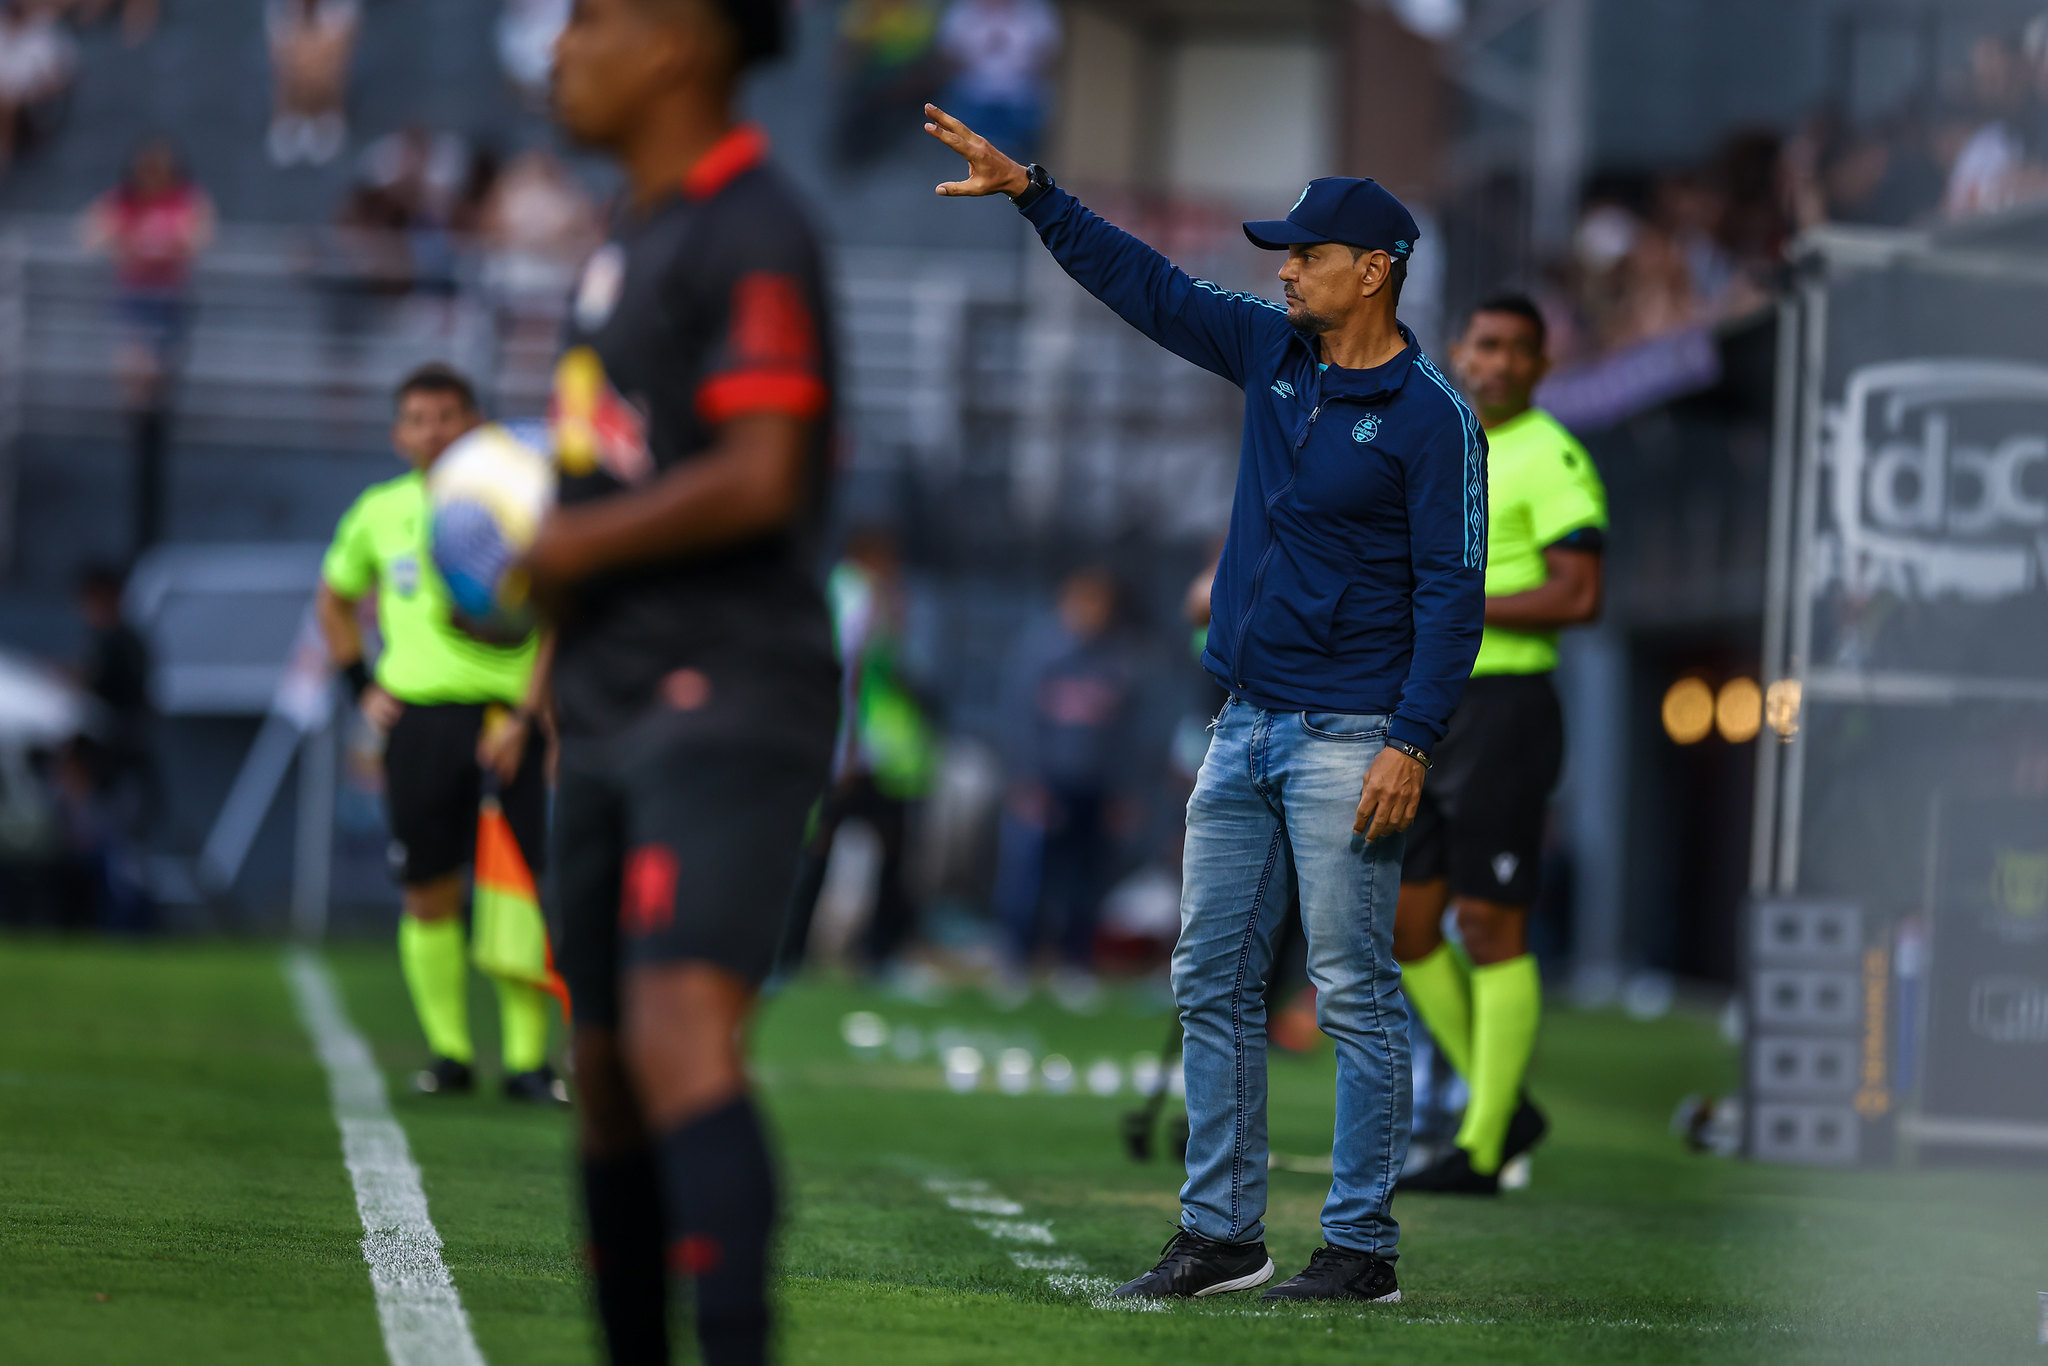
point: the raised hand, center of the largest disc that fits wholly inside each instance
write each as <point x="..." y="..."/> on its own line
<point x="989" y="171"/>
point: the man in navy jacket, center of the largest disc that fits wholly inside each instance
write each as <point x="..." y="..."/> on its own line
<point x="1346" y="614"/>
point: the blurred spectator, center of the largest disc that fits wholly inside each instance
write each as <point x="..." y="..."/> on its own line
<point x="538" y="225"/>
<point x="154" y="224"/>
<point x="115" y="672"/>
<point x="887" y="750"/>
<point x="526" y="44"/>
<point x="416" y="188"/>
<point x="104" y="779"/>
<point x="1693" y="212"/>
<point x="311" y="45"/>
<point x="1000" y="51"/>
<point x="886" y="74"/>
<point x="1634" y="282"/>
<point x="1068" y="706"/>
<point x="1991" y="171"/>
<point x="37" y="61"/>
<point x="1888" y="177"/>
<point x="1749" y="221"/>
<point x="138" y="17"/>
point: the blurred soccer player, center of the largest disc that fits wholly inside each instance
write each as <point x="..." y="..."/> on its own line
<point x="1477" y="842"/>
<point x="1347" y="610"/>
<point x="451" y="707"/>
<point x="696" y="681"/>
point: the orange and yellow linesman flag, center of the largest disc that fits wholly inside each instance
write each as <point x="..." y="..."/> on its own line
<point x="508" y="933"/>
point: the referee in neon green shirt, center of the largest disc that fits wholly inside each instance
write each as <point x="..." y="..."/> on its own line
<point x="451" y="708"/>
<point x="1477" y="841"/>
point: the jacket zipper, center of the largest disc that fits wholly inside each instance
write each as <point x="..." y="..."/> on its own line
<point x="1308" y="426"/>
<point x="1244" y="623"/>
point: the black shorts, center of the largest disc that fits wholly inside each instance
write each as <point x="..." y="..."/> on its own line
<point x="1484" y="803"/>
<point x="674" y="843"/>
<point x="432" y="788"/>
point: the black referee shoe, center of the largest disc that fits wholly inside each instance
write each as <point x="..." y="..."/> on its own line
<point x="1194" y="1266"/>
<point x="1525" y="1130"/>
<point x="1450" y="1174"/>
<point x="539" y="1087"/>
<point x="446" y="1077"/>
<point x="1341" y="1273"/>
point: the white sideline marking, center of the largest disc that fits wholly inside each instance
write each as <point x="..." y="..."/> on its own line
<point x="417" y="1304"/>
<point x="1068" y="1273"/>
<point x="1039" y="1261"/>
<point x="1016" y="1230"/>
<point x="984" y="1204"/>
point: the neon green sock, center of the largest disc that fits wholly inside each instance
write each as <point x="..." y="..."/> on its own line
<point x="437" y="974"/>
<point x="1440" y="985"/>
<point x="1507" y="1000"/>
<point x="522" y="1024"/>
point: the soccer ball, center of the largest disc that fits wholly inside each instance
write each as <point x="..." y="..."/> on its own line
<point x="488" y="492"/>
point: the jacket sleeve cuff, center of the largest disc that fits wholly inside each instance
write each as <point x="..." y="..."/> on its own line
<point x="1417" y="733"/>
<point x="1041" y="206"/>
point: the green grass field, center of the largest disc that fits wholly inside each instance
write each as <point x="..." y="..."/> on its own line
<point x="171" y="1191"/>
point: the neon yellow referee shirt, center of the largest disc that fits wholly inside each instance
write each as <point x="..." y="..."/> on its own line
<point x="1541" y="487"/>
<point x="382" y="539"/>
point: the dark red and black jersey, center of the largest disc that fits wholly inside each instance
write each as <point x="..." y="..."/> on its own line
<point x="706" y="307"/>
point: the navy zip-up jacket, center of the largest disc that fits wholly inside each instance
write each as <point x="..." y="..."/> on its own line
<point x="1353" y="577"/>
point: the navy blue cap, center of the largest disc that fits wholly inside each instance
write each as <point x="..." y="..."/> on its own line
<point x="1340" y="208"/>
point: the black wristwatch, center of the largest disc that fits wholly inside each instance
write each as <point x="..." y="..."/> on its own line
<point x="1038" y="181"/>
<point x="1415" y="752"/>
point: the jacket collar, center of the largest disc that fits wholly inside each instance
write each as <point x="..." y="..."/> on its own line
<point x="1365" y="384"/>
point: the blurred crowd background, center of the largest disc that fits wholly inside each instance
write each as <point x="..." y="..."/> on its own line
<point x="226" y="228"/>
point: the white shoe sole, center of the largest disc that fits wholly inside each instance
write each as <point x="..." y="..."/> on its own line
<point x="1257" y="1278"/>
<point x="1394" y="1298"/>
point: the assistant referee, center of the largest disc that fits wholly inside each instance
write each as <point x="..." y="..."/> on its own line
<point x="1477" y="841"/>
<point x="451" y="708"/>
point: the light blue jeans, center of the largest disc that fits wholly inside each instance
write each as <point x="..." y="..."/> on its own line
<point x="1270" y="820"/>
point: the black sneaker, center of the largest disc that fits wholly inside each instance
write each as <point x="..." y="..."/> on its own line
<point x="1193" y="1266"/>
<point x="1340" y="1273"/>
<point x="539" y="1087"/>
<point x="1450" y="1174"/>
<point x="446" y="1077"/>
<point x="1525" y="1131"/>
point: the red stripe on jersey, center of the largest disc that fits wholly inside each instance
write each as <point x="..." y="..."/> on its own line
<point x="742" y="149"/>
<point x="769" y="324"/>
<point x="725" y="397"/>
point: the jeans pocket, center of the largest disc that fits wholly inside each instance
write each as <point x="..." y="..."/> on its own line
<point x="1338" y="725"/>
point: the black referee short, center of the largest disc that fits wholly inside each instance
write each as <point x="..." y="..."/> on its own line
<point x="432" y="788"/>
<point x="677" y="841"/>
<point x="1480" y="825"/>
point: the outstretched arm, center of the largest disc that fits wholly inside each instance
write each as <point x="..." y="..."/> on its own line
<point x="1217" y="329"/>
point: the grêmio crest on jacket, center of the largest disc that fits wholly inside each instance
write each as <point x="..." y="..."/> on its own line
<point x="1366" y="428"/>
